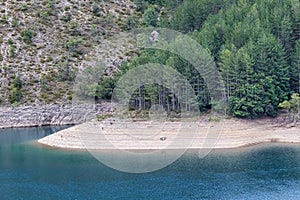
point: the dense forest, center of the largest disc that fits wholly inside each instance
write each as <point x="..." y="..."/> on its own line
<point x="255" y="45"/>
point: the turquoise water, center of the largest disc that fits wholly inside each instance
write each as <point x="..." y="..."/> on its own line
<point x="30" y="171"/>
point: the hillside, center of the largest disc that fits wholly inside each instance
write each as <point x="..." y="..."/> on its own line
<point x="255" y="46"/>
<point x="44" y="43"/>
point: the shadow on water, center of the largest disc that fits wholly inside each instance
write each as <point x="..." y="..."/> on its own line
<point x="17" y="135"/>
<point x="27" y="171"/>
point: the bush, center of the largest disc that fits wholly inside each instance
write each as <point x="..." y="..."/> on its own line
<point x="15" y="95"/>
<point x="14" y="22"/>
<point x="141" y="5"/>
<point x="96" y="10"/>
<point x="23" y="7"/>
<point x="10" y="41"/>
<point x="27" y="35"/>
<point x="4" y="19"/>
<point x="67" y="17"/>
<point x="150" y="17"/>
<point x="66" y="72"/>
<point x="130" y="23"/>
<point x="291" y="105"/>
<point x="12" y="51"/>
<point x="17" y="83"/>
<point x="67" y="8"/>
<point x="72" y="45"/>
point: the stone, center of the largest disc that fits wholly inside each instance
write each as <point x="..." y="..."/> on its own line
<point x="52" y="114"/>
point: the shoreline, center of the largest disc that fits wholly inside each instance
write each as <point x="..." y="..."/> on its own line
<point x="37" y="125"/>
<point x="35" y="142"/>
<point x="234" y="134"/>
<point x="50" y="114"/>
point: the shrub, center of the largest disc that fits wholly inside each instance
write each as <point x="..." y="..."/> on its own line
<point x="15" y="95"/>
<point x="10" y="41"/>
<point x="73" y="44"/>
<point x="17" y="82"/>
<point x="150" y="17"/>
<point x="23" y="7"/>
<point x="27" y="35"/>
<point x="66" y="72"/>
<point x="14" y="22"/>
<point x="141" y="5"/>
<point x="4" y="18"/>
<point x="291" y="105"/>
<point x="12" y="51"/>
<point x="96" y="10"/>
<point x="130" y="23"/>
<point x="67" y="8"/>
<point x="67" y="17"/>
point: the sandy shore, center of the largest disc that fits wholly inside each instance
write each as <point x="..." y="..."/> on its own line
<point x="229" y="133"/>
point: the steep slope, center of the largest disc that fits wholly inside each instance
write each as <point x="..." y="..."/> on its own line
<point x="44" y="43"/>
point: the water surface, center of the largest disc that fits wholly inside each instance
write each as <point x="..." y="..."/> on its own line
<point x="30" y="171"/>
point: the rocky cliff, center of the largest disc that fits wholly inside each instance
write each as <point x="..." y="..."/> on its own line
<point x="52" y="114"/>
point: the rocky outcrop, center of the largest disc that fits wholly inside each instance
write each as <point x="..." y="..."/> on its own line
<point x="53" y="114"/>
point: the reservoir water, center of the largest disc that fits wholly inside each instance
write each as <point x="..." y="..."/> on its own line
<point x="31" y="171"/>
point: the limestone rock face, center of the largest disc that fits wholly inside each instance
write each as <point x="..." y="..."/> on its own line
<point x="52" y="114"/>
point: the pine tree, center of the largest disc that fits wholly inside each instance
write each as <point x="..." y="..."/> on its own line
<point x="295" y="69"/>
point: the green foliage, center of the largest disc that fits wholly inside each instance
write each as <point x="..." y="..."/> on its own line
<point x="27" y="35"/>
<point x="256" y="77"/>
<point x="17" y="82"/>
<point x="191" y="14"/>
<point x="72" y="45"/>
<point x="150" y="94"/>
<point x="67" y="17"/>
<point x="4" y="19"/>
<point x="96" y="10"/>
<point x="247" y="41"/>
<point x="15" y="96"/>
<point x="12" y="51"/>
<point x="44" y="84"/>
<point x="292" y="105"/>
<point x="141" y="5"/>
<point x="150" y="17"/>
<point x="50" y="4"/>
<point x="24" y="7"/>
<point x="66" y="72"/>
<point x="10" y="41"/>
<point x="130" y="23"/>
<point x="105" y="87"/>
<point x="14" y="22"/>
<point x="74" y="28"/>
<point x="67" y="8"/>
<point x="94" y="84"/>
<point x="286" y="105"/>
<point x="254" y="43"/>
<point x="295" y="68"/>
<point x="11" y="48"/>
<point x="104" y="116"/>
